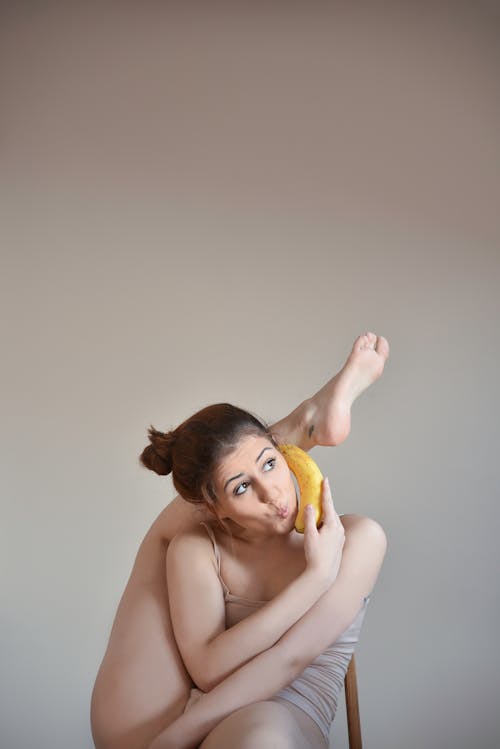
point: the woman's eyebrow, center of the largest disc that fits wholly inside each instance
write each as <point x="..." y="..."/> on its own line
<point x="262" y="453"/>
<point x="256" y="460"/>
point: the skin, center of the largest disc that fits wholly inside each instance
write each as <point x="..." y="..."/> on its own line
<point x="142" y="685"/>
<point x="228" y="714"/>
<point x="290" y="570"/>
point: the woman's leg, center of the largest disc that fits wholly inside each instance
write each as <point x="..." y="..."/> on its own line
<point x="325" y="418"/>
<point x="142" y="685"/>
<point x="263" y="725"/>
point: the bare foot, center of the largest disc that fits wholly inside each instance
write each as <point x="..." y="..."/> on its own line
<point x="329" y="410"/>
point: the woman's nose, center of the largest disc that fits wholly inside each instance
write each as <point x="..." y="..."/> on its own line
<point x="270" y="495"/>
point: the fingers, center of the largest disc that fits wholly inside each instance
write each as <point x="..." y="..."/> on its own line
<point x="310" y="520"/>
<point x="329" y="513"/>
<point x="314" y="519"/>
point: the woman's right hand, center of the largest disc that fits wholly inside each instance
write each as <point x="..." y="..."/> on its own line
<point x="323" y="546"/>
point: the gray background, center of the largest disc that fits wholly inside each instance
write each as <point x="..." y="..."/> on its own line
<point x="204" y="203"/>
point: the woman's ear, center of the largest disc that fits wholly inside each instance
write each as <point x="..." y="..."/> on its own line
<point x="211" y="503"/>
<point x="219" y="517"/>
<point x="215" y="511"/>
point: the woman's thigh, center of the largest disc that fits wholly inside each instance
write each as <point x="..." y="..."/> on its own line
<point x="262" y="725"/>
<point x="142" y="684"/>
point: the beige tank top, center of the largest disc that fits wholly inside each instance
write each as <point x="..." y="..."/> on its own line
<point x="315" y="691"/>
<point x="237" y="608"/>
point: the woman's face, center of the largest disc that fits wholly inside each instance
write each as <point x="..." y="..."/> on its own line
<point x="255" y="489"/>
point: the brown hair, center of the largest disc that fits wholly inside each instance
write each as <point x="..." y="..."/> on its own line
<point x="192" y="450"/>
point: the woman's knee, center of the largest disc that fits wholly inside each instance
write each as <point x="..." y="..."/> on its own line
<point x="255" y="737"/>
<point x="123" y="716"/>
<point x="268" y="736"/>
<point x="262" y="725"/>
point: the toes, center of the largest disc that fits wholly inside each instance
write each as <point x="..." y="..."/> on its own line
<point x="359" y="343"/>
<point x="374" y="342"/>
<point x="382" y="347"/>
<point x="367" y="341"/>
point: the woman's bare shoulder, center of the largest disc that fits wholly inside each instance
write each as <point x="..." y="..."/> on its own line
<point x="352" y="521"/>
<point x="190" y="549"/>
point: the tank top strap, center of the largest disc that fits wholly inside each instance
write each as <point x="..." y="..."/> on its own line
<point x="217" y="555"/>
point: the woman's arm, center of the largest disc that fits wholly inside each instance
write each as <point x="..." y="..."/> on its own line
<point x="210" y="651"/>
<point x="270" y="671"/>
<point x="364" y="552"/>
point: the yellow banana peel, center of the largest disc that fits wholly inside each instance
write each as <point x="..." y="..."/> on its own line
<point x="309" y="478"/>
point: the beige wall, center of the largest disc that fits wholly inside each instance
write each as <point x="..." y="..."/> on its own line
<point x="211" y="205"/>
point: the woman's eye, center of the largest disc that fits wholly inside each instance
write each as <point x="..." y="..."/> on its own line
<point x="268" y="466"/>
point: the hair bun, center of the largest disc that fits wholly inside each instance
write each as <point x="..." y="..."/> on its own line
<point x="158" y="455"/>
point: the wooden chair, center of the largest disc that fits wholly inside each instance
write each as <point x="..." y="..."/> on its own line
<point x="352" y="706"/>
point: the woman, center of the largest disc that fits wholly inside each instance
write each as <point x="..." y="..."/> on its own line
<point x="143" y="685"/>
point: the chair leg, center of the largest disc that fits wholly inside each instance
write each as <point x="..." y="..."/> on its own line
<point x="352" y="706"/>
